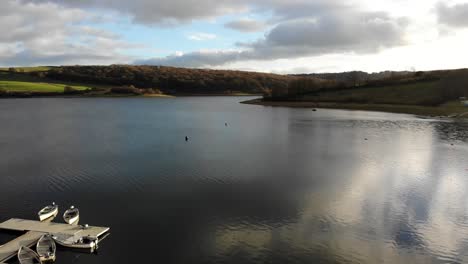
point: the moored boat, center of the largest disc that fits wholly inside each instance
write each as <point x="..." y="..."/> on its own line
<point x="46" y="248"/>
<point x="48" y="212"/>
<point x="83" y="243"/>
<point x="72" y="216"/>
<point x="28" y="256"/>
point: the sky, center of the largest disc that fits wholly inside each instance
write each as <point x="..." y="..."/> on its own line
<point x="279" y="36"/>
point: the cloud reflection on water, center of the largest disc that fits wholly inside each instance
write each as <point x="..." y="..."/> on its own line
<point x="403" y="200"/>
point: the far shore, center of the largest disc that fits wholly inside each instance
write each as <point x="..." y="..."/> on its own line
<point x="110" y="95"/>
<point x="440" y="111"/>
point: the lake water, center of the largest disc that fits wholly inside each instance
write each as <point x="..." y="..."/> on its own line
<point x="276" y="185"/>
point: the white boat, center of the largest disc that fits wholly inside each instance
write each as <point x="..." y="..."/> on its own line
<point x="48" y="212"/>
<point x="72" y="216"/>
<point x="83" y="243"/>
<point x="46" y="248"/>
<point x="28" y="256"/>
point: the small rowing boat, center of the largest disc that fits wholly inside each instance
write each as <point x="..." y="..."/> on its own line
<point x="48" y="212"/>
<point x="72" y="216"/>
<point x="83" y="243"/>
<point x="46" y="248"/>
<point x="28" y="256"/>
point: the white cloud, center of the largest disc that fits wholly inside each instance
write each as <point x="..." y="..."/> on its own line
<point x="201" y="36"/>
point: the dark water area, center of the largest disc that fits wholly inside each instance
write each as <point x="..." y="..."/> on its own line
<point x="276" y="185"/>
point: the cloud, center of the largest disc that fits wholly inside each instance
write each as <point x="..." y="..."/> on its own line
<point x="162" y="12"/>
<point x="176" y="12"/>
<point x="195" y="59"/>
<point x="454" y="16"/>
<point x="357" y="32"/>
<point x="46" y="33"/>
<point x="246" y="25"/>
<point x="28" y="22"/>
<point x="361" y="33"/>
<point x="62" y="31"/>
<point x="202" y="36"/>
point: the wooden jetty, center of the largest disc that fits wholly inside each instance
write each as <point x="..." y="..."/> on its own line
<point x="35" y="229"/>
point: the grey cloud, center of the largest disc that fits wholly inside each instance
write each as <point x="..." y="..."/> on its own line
<point x="296" y="9"/>
<point x="34" y="34"/>
<point x="94" y="32"/>
<point x="362" y="33"/>
<point x="26" y="22"/>
<point x="358" y="32"/>
<point x="455" y="16"/>
<point x="174" y="12"/>
<point x="246" y="25"/>
<point x="163" y="12"/>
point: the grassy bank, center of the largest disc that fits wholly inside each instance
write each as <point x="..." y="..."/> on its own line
<point x="18" y="86"/>
<point x="452" y="109"/>
<point x="27" y="69"/>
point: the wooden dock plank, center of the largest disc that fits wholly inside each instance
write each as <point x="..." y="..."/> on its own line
<point x="52" y="228"/>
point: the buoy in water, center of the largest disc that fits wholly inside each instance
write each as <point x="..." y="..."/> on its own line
<point x="186" y="138"/>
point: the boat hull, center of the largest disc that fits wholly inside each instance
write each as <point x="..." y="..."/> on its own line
<point x="47" y="259"/>
<point x="45" y="216"/>
<point x="69" y="242"/>
<point x="46" y="248"/>
<point x="73" y="221"/>
<point x="72" y="216"/>
<point x="28" y="256"/>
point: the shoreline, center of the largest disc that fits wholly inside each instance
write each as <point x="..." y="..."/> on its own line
<point x="116" y="95"/>
<point x="439" y="111"/>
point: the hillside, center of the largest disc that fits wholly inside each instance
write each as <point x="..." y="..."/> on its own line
<point x="426" y="93"/>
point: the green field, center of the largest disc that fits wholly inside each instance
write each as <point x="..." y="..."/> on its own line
<point x="19" y="86"/>
<point x="27" y="69"/>
<point x="25" y="82"/>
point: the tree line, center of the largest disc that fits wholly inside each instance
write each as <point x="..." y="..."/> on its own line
<point x="170" y="79"/>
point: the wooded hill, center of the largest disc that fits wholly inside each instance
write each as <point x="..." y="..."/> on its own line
<point x="171" y="80"/>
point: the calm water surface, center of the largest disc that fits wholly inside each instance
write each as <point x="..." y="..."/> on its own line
<point x="276" y="185"/>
